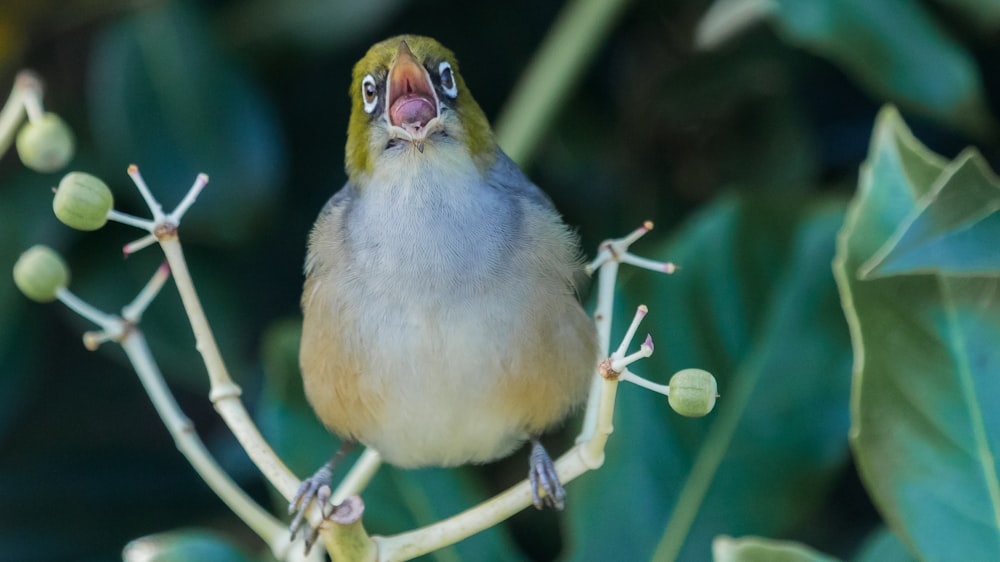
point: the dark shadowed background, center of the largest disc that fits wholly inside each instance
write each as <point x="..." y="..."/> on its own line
<point x="743" y="146"/>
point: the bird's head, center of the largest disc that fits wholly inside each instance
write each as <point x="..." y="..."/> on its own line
<point x="407" y="94"/>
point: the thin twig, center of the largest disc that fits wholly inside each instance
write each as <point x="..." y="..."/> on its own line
<point x="628" y="376"/>
<point x="125" y="331"/>
<point x="178" y="213"/>
<point x="133" y="311"/>
<point x="225" y="393"/>
<point x="360" y="475"/>
<point x="180" y="427"/>
<point x="125" y="218"/>
<point x="84" y="309"/>
<point x="147" y="195"/>
<point x="136" y="245"/>
<point x="408" y="545"/>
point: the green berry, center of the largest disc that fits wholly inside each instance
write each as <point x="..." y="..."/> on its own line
<point x="693" y="392"/>
<point x="82" y="201"/>
<point x="45" y="144"/>
<point x="39" y="273"/>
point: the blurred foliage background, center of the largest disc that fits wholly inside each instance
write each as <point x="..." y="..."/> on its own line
<point x="737" y="126"/>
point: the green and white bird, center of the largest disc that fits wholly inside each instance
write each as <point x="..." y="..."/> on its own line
<point x="442" y="321"/>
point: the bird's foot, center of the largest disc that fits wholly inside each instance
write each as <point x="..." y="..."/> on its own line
<point x="543" y="478"/>
<point x="317" y="489"/>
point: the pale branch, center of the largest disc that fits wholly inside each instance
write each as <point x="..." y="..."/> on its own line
<point x="125" y="331"/>
<point x="358" y="477"/>
<point x="224" y="393"/>
<point x="350" y="541"/>
<point x="609" y="255"/>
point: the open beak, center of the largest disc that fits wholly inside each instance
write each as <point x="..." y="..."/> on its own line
<point x="412" y="101"/>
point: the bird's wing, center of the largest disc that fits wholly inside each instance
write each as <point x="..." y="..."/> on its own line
<point x="505" y="174"/>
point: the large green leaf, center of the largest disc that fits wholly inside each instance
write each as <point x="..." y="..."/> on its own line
<point x="757" y="549"/>
<point x="984" y="14"/>
<point x="183" y="545"/>
<point x="946" y="231"/>
<point x="894" y="48"/>
<point x="882" y="546"/>
<point x="754" y="303"/>
<point x="925" y="425"/>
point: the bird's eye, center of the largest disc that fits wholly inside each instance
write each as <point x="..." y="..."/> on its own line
<point x="369" y="93"/>
<point x="448" y="80"/>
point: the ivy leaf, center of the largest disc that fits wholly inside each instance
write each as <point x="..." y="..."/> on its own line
<point x="947" y="227"/>
<point x="925" y="428"/>
<point x="182" y="545"/>
<point x="896" y="49"/>
<point x="757" y="549"/>
<point x="984" y="14"/>
<point x="882" y="546"/>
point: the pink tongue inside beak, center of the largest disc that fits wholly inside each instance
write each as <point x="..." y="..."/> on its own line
<point x="411" y="111"/>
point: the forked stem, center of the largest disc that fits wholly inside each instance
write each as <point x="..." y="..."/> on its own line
<point x="180" y="427"/>
<point x="124" y="330"/>
<point x="224" y="393"/>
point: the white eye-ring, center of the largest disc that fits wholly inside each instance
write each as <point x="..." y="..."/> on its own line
<point x="369" y="93"/>
<point x="448" y="80"/>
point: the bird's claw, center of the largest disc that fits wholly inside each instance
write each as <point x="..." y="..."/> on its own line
<point x="317" y="489"/>
<point x="543" y="478"/>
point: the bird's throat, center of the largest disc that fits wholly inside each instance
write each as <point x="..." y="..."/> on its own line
<point x="412" y="112"/>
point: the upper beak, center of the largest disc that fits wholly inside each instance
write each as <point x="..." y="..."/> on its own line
<point x="412" y="101"/>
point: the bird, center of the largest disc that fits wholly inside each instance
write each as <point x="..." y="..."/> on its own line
<point x="442" y="322"/>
